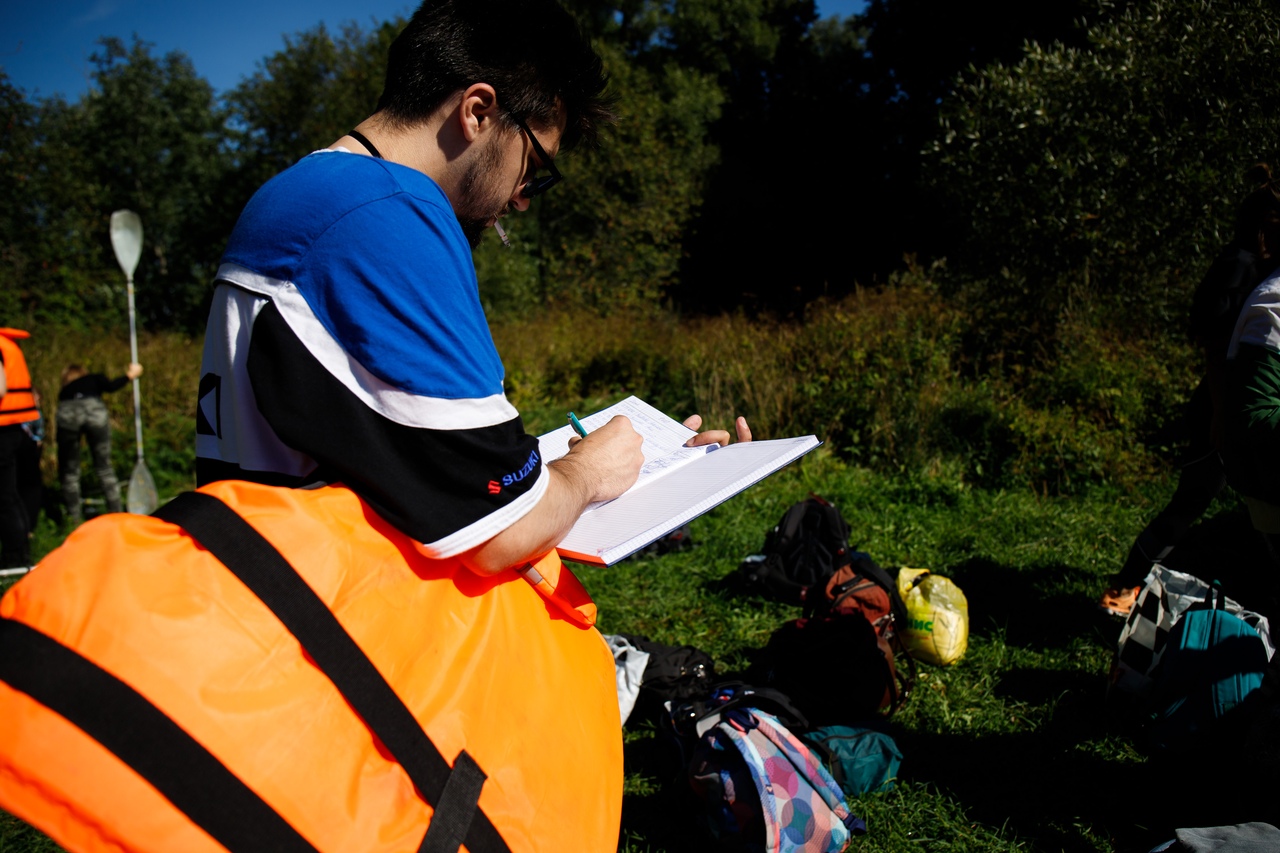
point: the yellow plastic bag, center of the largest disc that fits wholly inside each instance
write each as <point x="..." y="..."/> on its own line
<point x="937" y="629"/>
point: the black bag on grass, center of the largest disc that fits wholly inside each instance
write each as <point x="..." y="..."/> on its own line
<point x="800" y="553"/>
<point x="837" y="670"/>
<point x="672" y="673"/>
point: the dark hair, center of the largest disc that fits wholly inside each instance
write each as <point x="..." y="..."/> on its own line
<point x="1260" y="210"/>
<point x="531" y="51"/>
<point x="72" y="372"/>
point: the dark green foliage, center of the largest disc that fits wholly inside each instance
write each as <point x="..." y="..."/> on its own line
<point x="611" y="239"/>
<point x="148" y="137"/>
<point x="1102" y="179"/>
<point x="304" y="96"/>
<point x="614" y="236"/>
<point x="881" y="375"/>
<point x="18" y="232"/>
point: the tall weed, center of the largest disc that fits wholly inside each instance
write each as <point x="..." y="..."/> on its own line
<point x="880" y="375"/>
<point x="171" y="363"/>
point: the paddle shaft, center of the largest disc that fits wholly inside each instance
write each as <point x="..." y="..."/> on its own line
<point x="133" y="357"/>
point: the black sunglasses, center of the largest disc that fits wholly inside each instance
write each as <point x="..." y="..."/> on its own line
<point x="537" y="185"/>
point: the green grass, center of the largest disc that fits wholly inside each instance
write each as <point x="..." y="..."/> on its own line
<point x="1009" y="749"/>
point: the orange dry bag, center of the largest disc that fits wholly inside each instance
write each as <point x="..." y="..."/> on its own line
<point x="272" y="669"/>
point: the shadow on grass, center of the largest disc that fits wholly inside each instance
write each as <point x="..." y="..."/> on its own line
<point x="1039" y="606"/>
<point x="1045" y="606"/>
<point x="1059" y="785"/>
<point x="1075" y="782"/>
<point x="666" y="816"/>
<point x="1051" y="785"/>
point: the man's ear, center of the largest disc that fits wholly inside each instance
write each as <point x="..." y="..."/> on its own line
<point x="478" y="111"/>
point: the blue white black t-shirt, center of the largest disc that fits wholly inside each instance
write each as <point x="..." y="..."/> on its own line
<point x="347" y="343"/>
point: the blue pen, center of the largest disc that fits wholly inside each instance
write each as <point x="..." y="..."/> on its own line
<point x="577" y="425"/>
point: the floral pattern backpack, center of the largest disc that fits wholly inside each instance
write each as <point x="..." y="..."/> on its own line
<point x="767" y="792"/>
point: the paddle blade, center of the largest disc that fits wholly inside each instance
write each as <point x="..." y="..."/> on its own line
<point x="126" y="239"/>
<point x="142" y="491"/>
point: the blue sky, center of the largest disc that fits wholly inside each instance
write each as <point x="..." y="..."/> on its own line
<point x="45" y="44"/>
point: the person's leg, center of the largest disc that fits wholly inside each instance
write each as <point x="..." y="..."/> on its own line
<point x="14" y="545"/>
<point x="98" y="429"/>
<point x="1199" y="482"/>
<point x="70" y="417"/>
<point x="30" y="484"/>
<point x="1201" y="477"/>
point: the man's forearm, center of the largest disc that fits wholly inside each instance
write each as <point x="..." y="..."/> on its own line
<point x="567" y="495"/>
<point x="599" y="467"/>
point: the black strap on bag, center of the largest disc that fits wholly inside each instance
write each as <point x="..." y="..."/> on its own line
<point x="452" y="792"/>
<point x="139" y="734"/>
<point x="220" y="800"/>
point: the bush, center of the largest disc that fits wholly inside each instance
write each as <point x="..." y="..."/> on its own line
<point x="1107" y="174"/>
<point x="881" y="376"/>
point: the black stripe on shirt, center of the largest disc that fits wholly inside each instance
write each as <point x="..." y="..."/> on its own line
<point x="429" y="483"/>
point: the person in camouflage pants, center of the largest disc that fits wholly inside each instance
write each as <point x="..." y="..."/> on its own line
<point x="81" y="411"/>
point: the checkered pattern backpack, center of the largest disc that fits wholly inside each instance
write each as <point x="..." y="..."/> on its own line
<point x="1165" y="597"/>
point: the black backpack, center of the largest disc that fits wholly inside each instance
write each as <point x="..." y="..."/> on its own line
<point x="800" y="553"/>
<point x="672" y="673"/>
<point x="836" y="670"/>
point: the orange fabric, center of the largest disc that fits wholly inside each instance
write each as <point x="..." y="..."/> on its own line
<point x="18" y="405"/>
<point x="486" y="664"/>
<point x="552" y="579"/>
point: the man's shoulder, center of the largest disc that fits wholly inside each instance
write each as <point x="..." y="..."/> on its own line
<point x="343" y="181"/>
<point x="332" y="195"/>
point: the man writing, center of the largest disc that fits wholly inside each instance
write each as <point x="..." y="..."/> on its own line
<point x="280" y="668"/>
<point x="347" y="342"/>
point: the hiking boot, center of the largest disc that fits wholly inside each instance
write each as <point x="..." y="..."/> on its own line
<point x="1119" y="602"/>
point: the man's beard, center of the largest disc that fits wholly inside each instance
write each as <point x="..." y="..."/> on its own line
<point x="477" y="204"/>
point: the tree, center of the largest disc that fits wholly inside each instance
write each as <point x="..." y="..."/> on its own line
<point x="1103" y="176"/>
<point x="147" y="136"/>
<point x="18" y="229"/>
<point x="151" y="136"/>
<point x="613" y="237"/>
<point x="305" y="96"/>
<point x="619" y="236"/>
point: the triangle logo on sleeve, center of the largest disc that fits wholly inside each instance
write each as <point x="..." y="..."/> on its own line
<point x="209" y="406"/>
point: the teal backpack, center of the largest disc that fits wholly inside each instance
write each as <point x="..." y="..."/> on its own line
<point x="1212" y="662"/>
<point x="861" y="760"/>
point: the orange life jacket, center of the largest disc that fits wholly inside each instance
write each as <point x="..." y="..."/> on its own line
<point x="167" y="687"/>
<point x="18" y="405"/>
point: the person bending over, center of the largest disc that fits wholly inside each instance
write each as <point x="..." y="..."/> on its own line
<point x="346" y="340"/>
<point x="82" y="412"/>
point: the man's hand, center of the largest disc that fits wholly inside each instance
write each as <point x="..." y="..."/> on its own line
<point x="608" y="460"/>
<point x="716" y="436"/>
<point x="597" y="468"/>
